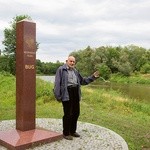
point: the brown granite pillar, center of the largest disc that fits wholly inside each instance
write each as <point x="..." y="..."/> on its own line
<point x="25" y="75"/>
<point x="26" y="134"/>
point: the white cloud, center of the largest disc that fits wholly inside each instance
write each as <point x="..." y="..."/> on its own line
<point x="66" y="25"/>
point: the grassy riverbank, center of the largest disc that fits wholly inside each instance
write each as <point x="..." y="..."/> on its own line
<point x="136" y="79"/>
<point x="127" y="117"/>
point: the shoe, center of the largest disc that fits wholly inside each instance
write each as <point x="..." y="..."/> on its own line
<point x="68" y="137"/>
<point x="75" y="134"/>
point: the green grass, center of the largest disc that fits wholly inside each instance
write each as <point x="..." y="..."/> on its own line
<point x="127" y="117"/>
<point x="110" y="109"/>
<point x="135" y="78"/>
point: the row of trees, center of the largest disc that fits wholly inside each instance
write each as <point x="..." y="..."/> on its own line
<point x="45" y="68"/>
<point x="125" y="60"/>
<point x="48" y="68"/>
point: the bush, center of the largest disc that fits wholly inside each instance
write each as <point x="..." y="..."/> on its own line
<point x="125" y="69"/>
<point x="105" y="71"/>
<point x="145" y="68"/>
<point x="44" y="91"/>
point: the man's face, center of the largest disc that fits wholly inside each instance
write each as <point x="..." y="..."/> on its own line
<point x="71" y="62"/>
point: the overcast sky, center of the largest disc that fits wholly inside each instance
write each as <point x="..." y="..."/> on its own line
<point x="63" y="26"/>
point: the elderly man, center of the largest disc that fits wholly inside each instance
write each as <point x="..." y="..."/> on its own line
<point x="67" y="90"/>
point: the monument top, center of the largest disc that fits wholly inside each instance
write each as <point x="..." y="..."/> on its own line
<point x="25" y="20"/>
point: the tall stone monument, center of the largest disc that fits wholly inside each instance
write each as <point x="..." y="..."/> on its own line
<point x="25" y="75"/>
<point x="26" y="134"/>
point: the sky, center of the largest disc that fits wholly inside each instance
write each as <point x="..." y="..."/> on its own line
<point x="64" y="26"/>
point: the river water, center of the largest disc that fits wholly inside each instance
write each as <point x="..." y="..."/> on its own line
<point x="136" y="91"/>
<point x="139" y="92"/>
<point x="47" y="78"/>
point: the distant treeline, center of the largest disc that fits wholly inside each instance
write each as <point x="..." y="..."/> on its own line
<point x="43" y="68"/>
<point x="47" y="68"/>
<point x="108" y="60"/>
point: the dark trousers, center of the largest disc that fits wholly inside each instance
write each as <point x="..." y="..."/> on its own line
<point x="71" y="110"/>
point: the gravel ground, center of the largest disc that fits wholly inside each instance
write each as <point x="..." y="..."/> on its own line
<point x="93" y="137"/>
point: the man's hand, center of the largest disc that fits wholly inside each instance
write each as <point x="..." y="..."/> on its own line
<point x="96" y="74"/>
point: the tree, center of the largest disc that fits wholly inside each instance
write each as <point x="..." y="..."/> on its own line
<point x="136" y="56"/>
<point x="104" y="70"/>
<point x="4" y="64"/>
<point x="145" y="68"/>
<point x="9" y="41"/>
<point x="83" y="61"/>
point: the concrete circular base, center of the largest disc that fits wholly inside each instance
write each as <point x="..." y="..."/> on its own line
<point x="93" y="137"/>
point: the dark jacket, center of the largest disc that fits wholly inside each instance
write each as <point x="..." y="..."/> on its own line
<point x="61" y="82"/>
